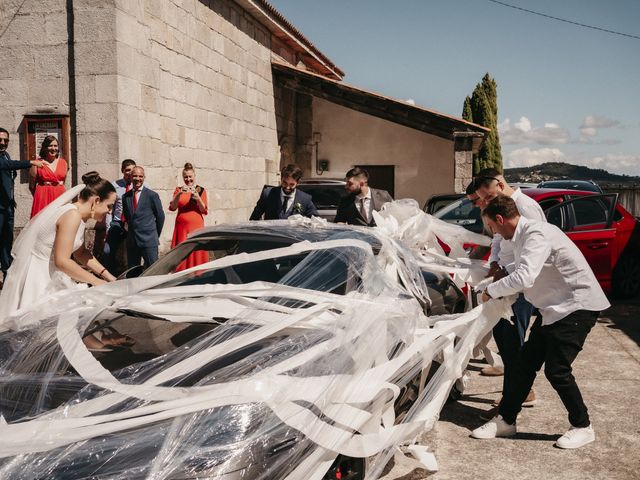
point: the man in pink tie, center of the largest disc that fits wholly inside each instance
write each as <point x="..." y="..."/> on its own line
<point x="144" y="216"/>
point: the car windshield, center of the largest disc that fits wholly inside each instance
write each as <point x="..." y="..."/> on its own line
<point x="462" y="212"/>
<point x="324" y="196"/>
<point x="215" y="248"/>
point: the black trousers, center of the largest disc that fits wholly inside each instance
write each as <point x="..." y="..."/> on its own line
<point x="6" y="238"/>
<point x="556" y="346"/>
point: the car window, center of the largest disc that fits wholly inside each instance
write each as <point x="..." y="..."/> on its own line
<point x="462" y="212"/>
<point x="589" y="211"/>
<point x="324" y="196"/>
<point x="215" y="248"/>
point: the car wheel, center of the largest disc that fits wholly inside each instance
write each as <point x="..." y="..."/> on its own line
<point x="346" y="468"/>
<point x="626" y="276"/>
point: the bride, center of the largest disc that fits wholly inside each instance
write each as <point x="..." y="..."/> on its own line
<point x="50" y="250"/>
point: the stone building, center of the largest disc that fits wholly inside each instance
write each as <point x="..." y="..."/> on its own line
<point x="228" y="85"/>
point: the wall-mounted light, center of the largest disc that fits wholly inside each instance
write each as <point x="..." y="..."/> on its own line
<point x="321" y="165"/>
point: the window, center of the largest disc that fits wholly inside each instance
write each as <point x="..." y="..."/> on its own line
<point x="589" y="211"/>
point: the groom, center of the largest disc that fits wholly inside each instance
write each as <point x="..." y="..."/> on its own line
<point x="144" y="217"/>
<point x="8" y="169"/>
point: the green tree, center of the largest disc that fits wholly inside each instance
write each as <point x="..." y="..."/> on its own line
<point x="482" y="108"/>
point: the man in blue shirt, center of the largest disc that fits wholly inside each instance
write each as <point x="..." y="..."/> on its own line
<point x="8" y="171"/>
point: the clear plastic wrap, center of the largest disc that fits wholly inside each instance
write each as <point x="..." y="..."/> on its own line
<point x="306" y="377"/>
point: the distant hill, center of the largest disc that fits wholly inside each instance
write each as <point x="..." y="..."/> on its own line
<point x="560" y="171"/>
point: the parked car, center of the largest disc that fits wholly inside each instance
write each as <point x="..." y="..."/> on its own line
<point x="325" y="193"/>
<point x="221" y="381"/>
<point x="606" y="233"/>
<point x="582" y="185"/>
<point x="438" y="202"/>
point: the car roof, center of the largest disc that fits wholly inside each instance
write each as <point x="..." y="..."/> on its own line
<point x="285" y="229"/>
<point x="537" y="193"/>
<point x="322" y="181"/>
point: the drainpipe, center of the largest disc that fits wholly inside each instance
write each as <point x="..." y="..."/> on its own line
<point x="71" y="68"/>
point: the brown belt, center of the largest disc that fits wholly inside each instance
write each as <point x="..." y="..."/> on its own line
<point x="49" y="183"/>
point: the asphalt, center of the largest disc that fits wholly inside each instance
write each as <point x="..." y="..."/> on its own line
<point x="608" y="373"/>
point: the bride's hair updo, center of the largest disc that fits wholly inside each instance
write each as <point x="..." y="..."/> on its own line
<point x="96" y="185"/>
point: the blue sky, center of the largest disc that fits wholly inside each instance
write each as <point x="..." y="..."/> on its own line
<point x="565" y="93"/>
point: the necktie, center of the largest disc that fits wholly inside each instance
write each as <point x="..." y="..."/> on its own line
<point x="122" y="216"/>
<point x="363" y="209"/>
<point x="285" y="203"/>
<point x="135" y="199"/>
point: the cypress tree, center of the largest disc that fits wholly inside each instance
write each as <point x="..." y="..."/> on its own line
<point x="482" y="108"/>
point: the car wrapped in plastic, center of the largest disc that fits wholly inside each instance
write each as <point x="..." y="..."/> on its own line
<point x="319" y="358"/>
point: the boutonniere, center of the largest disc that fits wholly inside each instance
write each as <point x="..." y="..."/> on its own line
<point x="297" y="208"/>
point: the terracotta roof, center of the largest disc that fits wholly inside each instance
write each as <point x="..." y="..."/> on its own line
<point x="286" y="31"/>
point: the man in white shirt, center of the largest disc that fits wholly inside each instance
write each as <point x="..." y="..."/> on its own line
<point x="509" y="335"/>
<point x="556" y="278"/>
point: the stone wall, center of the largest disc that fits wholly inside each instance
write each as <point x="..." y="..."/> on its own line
<point x="194" y="85"/>
<point x="163" y="82"/>
<point x="294" y="119"/>
<point x="33" y="73"/>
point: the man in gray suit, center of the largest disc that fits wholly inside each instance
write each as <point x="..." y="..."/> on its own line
<point x="358" y="206"/>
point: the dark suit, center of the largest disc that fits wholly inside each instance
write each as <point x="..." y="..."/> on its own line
<point x="8" y="169"/>
<point x="348" y="211"/>
<point x="144" y="226"/>
<point x="270" y="205"/>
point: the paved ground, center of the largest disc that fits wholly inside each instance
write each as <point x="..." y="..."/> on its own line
<point x="608" y="373"/>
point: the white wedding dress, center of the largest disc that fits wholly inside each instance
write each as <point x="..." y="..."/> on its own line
<point x="33" y="276"/>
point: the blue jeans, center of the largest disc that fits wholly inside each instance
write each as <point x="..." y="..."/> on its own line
<point x="510" y="337"/>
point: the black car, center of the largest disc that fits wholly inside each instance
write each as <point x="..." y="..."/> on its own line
<point x="583" y="185"/>
<point x="120" y="423"/>
<point x="326" y="194"/>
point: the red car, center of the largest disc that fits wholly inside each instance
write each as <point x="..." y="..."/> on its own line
<point x="606" y="233"/>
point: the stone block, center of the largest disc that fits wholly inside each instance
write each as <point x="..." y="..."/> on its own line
<point x="130" y="146"/>
<point x="128" y="91"/>
<point x="152" y="123"/>
<point x="168" y="107"/>
<point x="128" y="119"/>
<point x="95" y="25"/>
<point x="55" y="28"/>
<point x="150" y="99"/>
<point x="21" y="30"/>
<point x="99" y="147"/>
<point x="185" y="115"/>
<point x="169" y="131"/>
<point x="97" y="58"/>
<point x="13" y="93"/>
<point x="97" y="117"/>
<point x="47" y="91"/>
<point x="106" y="88"/>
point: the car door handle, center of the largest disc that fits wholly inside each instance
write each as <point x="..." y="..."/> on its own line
<point x="598" y="246"/>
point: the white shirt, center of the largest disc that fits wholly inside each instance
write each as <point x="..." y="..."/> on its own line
<point x="501" y="249"/>
<point x="367" y="203"/>
<point x="289" y="198"/>
<point x="551" y="272"/>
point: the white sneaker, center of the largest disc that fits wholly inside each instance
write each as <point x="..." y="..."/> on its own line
<point x="576" y="437"/>
<point x="496" y="427"/>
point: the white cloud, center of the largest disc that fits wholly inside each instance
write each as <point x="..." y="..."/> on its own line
<point x="410" y="101"/>
<point x="591" y="124"/>
<point x="526" y="157"/>
<point x="596" y="121"/>
<point x="614" y="163"/>
<point x="522" y="132"/>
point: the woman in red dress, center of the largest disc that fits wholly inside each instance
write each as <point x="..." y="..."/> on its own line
<point x="191" y="202"/>
<point x="47" y="183"/>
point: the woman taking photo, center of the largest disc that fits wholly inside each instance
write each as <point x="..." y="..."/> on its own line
<point x="50" y="250"/>
<point x="47" y="183"/>
<point x="191" y="202"/>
